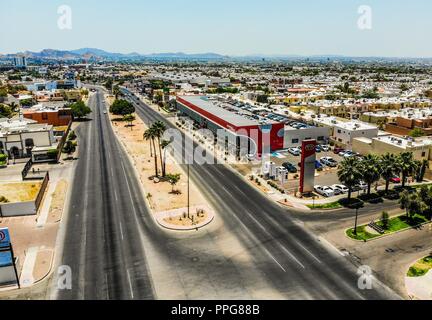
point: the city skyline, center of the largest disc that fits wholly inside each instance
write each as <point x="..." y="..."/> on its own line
<point x="233" y="29"/>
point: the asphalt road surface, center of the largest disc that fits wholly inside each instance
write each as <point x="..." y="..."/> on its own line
<point x="102" y="245"/>
<point x="295" y="262"/>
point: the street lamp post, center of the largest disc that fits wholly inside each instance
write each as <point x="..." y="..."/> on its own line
<point x="188" y="193"/>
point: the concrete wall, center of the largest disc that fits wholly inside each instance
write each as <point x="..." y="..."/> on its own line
<point x="7" y="275"/>
<point x="18" y="209"/>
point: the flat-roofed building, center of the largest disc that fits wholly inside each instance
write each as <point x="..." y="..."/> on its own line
<point x="55" y="115"/>
<point x="215" y="114"/>
<point x="344" y="132"/>
<point x="22" y="138"/>
<point x="421" y="149"/>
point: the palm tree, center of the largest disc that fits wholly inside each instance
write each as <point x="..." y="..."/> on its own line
<point x="159" y="129"/>
<point x="404" y="200"/>
<point x="412" y="203"/>
<point x="370" y="167"/>
<point x="147" y="137"/>
<point x="406" y="164"/>
<point x="150" y="135"/>
<point x="388" y="168"/>
<point x="164" y="145"/>
<point x="349" y="173"/>
<point x="426" y="196"/>
<point x="422" y="166"/>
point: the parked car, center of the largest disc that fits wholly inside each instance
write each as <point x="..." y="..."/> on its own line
<point x="290" y="167"/>
<point x="338" y="150"/>
<point x="324" y="191"/>
<point x="360" y="186"/>
<point x="329" y="161"/>
<point x="325" y="147"/>
<point x="395" y="179"/>
<point x="318" y="165"/>
<point x="318" y="149"/>
<point x="294" y="151"/>
<point x="335" y="190"/>
<point x="347" y="154"/>
<point x="340" y="187"/>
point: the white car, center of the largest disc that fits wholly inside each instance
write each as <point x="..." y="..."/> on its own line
<point x="340" y="188"/>
<point x="325" y="147"/>
<point x="324" y="191"/>
<point x="294" y="151"/>
<point x="362" y="185"/>
<point x="329" y="161"/>
<point x="348" y="154"/>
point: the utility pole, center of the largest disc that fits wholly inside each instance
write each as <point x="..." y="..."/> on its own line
<point x="188" y="193"/>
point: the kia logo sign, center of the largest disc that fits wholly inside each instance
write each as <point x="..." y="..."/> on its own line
<point x="310" y="147"/>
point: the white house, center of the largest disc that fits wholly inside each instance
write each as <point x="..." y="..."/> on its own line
<point x="21" y="138"/>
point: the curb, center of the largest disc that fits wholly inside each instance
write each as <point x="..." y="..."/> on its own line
<point x="132" y="161"/>
<point x="170" y="227"/>
<point x="388" y="234"/>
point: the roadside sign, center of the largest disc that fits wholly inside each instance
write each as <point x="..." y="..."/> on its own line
<point x="307" y="168"/>
<point x="4" y="238"/>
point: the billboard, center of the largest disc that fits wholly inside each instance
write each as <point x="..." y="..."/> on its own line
<point x="4" y="238"/>
<point x="8" y="271"/>
<point x="307" y="166"/>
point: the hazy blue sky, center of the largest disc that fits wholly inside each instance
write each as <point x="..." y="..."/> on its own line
<point x="233" y="27"/>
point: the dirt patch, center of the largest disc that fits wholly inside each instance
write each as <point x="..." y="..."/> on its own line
<point x="183" y="221"/>
<point x="159" y="195"/>
<point x="18" y="192"/>
<point x="57" y="202"/>
<point x="42" y="264"/>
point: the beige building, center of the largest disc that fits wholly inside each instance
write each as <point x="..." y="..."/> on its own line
<point x="421" y="149"/>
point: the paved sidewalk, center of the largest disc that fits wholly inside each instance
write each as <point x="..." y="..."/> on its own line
<point x="420" y="287"/>
<point x="34" y="237"/>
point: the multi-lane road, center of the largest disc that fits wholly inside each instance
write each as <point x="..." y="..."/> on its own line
<point x="254" y="249"/>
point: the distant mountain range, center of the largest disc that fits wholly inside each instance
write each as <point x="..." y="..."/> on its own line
<point x="93" y="54"/>
<point x="98" y="54"/>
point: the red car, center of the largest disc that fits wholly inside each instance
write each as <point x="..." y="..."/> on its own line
<point x="395" y="179"/>
<point x="336" y="150"/>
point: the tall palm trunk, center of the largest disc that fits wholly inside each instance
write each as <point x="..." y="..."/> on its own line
<point x="403" y="179"/>
<point x="155" y="157"/>
<point x="160" y="155"/>
<point x="164" y="164"/>
<point x="369" y="189"/>
<point x="387" y="185"/>
<point x="349" y="194"/>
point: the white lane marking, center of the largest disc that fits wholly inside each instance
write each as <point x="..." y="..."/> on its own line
<point x="129" y="189"/>
<point x="310" y="253"/>
<point x="107" y="286"/>
<point x="291" y="255"/>
<point x="121" y="231"/>
<point x="130" y="283"/>
<point x="115" y="195"/>
<point x="278" y="243"/>
<point x="274" y="259"/>
<point x="112" y="173"/>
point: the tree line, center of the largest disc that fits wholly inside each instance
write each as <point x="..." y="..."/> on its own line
<point x="372" y="168"/>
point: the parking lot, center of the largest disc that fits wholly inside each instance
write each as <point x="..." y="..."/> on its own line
<point x="326" y="177"/>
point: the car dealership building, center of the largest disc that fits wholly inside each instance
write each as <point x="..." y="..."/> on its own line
<point x="238" y="120"/>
